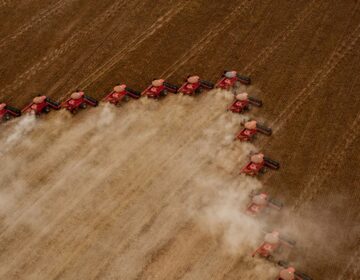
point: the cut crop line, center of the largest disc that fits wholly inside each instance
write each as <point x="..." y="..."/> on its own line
<point x="329" y="164"/>
<point x="131" y="46"/>
<point x="44" y="14"/>
<point x="281" y="38"/>
<point x="344" y="48"/>
<point x="352" y="266"/>
<point x="66" y="46"/>
<point x="200" y="45"/>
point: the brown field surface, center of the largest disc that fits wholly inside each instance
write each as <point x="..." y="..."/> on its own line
<point x="150" y="190"/>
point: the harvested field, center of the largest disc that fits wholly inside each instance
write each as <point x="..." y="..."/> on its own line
<point x="151" y="190"/>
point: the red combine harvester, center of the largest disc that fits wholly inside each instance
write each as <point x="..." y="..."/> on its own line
<point x="159" y="88"/>
<point x="231" y="79"/>
<point x="120" y="94"/>
<point x="242" y="102"/>
<point x="289" y="273"/>
<point x="193" y="85"/>
<point x="41" y="104"/>
<point x="7" y="112"/>
<point x="274" y="246"/>
<point x="259" y="163"/>
<point x="251" y="128"/>
<point x="78" y="100"/>
<point x="261" y="202"/>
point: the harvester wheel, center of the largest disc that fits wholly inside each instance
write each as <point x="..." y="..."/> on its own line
<point x="46" y="110"/>
<point x="6" y="117"/>
<point x="263" y="170"/>
<point x="165" y="92"/>
<point x="126" y="98"/>
<point x="83" y="105"/>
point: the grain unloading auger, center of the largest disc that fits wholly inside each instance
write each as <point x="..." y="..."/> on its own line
<point x="194" y="85"/>
<point x="8" y="112"/>
<point x="41" y="105"/>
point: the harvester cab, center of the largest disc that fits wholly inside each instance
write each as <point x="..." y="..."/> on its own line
<point x="41" y="105"/>
<point x="231" y="79"/>
<point x="159" y="88"/>
<point x="248" y="133"/>
<point x="259" y="164"/>
<point x="7" y="112"/>
<point x="194" y="85"/>
<point x="78" y="100"/>
<point x="242" y="102"/>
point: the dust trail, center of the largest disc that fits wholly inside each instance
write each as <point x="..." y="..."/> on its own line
<point x="115" y="186"/>
<point x="19" y="130"/>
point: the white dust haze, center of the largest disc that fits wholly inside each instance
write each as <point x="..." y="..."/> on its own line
<point x="131" y="179"/>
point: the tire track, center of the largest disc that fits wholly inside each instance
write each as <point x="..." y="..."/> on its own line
<point x="352" y="268"/>
<point x="200" y="45"/>
<point x="281" y="38"/>
<point x="345" y="47"/>
<point x="68" y="78"/>
<point x="72" y="42"/>
<point x="133" y="45"/>
<point x="34" y="21"/>
<point x="165" y="253"/>
<point x="328" y="164"/>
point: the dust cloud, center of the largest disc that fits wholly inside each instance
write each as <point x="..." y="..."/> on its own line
<point x="129" y="179"/>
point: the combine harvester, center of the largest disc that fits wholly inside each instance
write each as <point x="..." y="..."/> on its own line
<point x="232" y="80"/>
<point x="289" y="273"/>
<point x="274" y="247"/>
<point x="120" y="94"/>
<point x="7" y="112"/>
<point x="242" y="103"/>
<point x="258" y="164"/>
<point x="41" y="105"/>
<point x="193" y="85"/>
<point x="260" y="202"/>
<point x="78" y="100"/>
<point x="159" y="88"/>
<point x="251" y="128"/>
